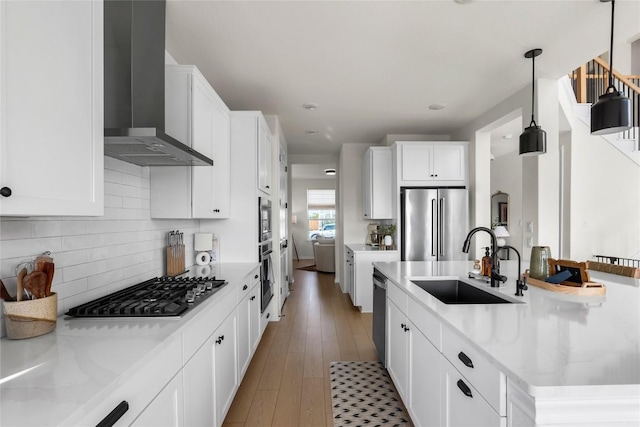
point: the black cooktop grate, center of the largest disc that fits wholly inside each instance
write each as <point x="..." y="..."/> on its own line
<point x="158" y="297"/>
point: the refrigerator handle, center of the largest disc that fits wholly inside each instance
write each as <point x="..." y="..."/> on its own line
<point x="434" y="227"/>
<point x="441" y="220"/>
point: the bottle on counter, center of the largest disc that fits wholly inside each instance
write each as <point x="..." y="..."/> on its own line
<point x="476" y="267"/>
<point x="487" y="265"/>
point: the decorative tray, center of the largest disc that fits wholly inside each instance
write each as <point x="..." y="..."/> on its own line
<point x="577" y="284"/>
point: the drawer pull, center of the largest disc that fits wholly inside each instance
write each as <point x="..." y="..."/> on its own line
<point x="114" y="415"/>
<point x="244" y="288"/>
<point x="464" y="388"/>
<point x="465" y="359"/>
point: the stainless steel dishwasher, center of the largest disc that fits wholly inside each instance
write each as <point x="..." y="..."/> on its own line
<point x="379" y="313"/>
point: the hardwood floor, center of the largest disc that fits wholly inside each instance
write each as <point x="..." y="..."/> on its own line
<point x="287" y="383"/>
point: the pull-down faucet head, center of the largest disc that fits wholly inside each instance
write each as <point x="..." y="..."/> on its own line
<point x="495" y="270"/>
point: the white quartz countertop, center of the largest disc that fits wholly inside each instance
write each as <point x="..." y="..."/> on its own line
<point x="361" y="247"/>
<point x="553" y="344"/>
<point x="46" y="379"/>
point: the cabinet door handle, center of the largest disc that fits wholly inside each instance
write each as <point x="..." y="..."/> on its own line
<point x="406" y="329"/>
<point x="252" y="298"/>
<point x="255" y="277"/>
<point x="114" y="415"/>
<point x="244" y="288"/>
<point x="464" y="388"/>
<point x="267" y="186"/>
<point x="5" y="192"/>
<point x="402" y="325"/>
<point x="465" y="359"/>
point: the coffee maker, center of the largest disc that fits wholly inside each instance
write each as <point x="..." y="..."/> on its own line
<point x="373" y="236"/>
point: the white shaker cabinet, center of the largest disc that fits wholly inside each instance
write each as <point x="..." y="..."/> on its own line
<point x="377" y="184"/>
<point x="211" y="377"/>
<point x="432" y="163"/>
<point x="51" y="114"/>
<point x="412" y="360"/>
<point x="196" y="116"/>
<point x="463" y="405"/>
<point x="264" y="157"/>
<point x="166" y="410"/>
<point x="248" y="321"/>
<point x="359" y="268"/>
<point x="398" y="349"/>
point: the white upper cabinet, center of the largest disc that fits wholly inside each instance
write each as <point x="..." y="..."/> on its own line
<point x="432" y="163"/>
<point x="51" y="108"/>
<point x="196" y="116"/>
<point x="264" y="158"/>
<point x="376" y="183"/>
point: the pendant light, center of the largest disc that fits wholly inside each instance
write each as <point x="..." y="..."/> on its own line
<point x="612" y="112"/>
<point x="533" y="140"/>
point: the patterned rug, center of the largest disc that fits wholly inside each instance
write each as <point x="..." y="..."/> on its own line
<point x="363" y="394"/>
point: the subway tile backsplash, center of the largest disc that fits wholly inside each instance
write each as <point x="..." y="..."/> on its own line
<point x="96" y="255"/>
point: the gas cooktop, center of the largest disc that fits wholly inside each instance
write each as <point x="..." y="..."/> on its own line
<point x="158" y="297"/>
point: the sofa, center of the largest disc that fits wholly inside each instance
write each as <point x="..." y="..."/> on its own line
<point x="324" y="254"/>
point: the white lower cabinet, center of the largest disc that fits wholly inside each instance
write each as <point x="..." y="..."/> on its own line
<point x="359" y="268"/>
<point x="424" y="385"/>
<point x="211" y="377"/>
<point x="463" y="405"/>
<point x="166" y="409"/>
<point x="248" y="323"/>
<point x="425" y="361"/>
<point x="398" y="345"/>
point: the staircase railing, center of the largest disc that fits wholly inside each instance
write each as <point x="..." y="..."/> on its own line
<point x="592" y="79"/>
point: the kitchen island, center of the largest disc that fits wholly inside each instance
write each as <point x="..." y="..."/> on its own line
<point x="78" y="373"/>
<point x="558" y="359"/>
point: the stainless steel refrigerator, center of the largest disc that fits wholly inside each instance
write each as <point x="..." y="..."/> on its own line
<point x="434" y="223"/>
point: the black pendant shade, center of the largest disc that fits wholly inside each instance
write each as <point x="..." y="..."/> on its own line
<point x="612" y="112"/>
<point x="533" y="140"/>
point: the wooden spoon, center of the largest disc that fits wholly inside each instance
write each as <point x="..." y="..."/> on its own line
<point x="36" y="283"/>
<point x="48" y="268"/>
<point x="19" y="288"/>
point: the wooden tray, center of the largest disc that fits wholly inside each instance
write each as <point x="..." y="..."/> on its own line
<point x="570" y="288"/>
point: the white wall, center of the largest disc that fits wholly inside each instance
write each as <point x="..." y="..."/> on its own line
<point x="605" y="199"/>
<point x="97" y="255"/>
<point x="300" y="230"/>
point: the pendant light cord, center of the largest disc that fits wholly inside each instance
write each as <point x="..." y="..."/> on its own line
<point x="613" y="5"/>
<point x="533" y="89"/>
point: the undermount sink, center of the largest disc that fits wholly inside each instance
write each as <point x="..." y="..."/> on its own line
<point x="453" y="291"/>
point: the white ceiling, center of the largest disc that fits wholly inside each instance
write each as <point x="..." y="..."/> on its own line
<point x="374" y="67"/>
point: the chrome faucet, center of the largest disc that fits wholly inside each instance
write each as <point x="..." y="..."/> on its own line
<point x="521" y="285"/>
<point x="495" y="268"/>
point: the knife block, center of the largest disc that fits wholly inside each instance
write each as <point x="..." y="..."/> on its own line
<point x="175" y="260"/>
<point x="30" y="318"/>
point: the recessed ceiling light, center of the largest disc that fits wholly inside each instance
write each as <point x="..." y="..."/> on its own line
<point x="310" y="132"/>
<point x="507" y="136"/>
<point x="436" y="106"/>
<point x="330" y="172"/>
<point x="310" y="106"/>
<point x="463" y="1"/>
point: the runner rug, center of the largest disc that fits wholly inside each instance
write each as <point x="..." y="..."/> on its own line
<point x="363" y="394"/>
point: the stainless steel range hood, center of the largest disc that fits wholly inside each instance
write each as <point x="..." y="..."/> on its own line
<point x="134" y="110"/>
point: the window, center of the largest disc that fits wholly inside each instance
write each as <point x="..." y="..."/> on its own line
<point x="321" y="213"/>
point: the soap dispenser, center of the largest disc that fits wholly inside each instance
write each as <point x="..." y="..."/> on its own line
<point x="486" y="263"/>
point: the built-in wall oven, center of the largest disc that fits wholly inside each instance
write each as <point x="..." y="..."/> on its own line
<point x="267" y="277"/>
<point x="264" y="219"/>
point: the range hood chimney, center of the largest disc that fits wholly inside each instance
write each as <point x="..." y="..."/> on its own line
<point x="134" y="61"/>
